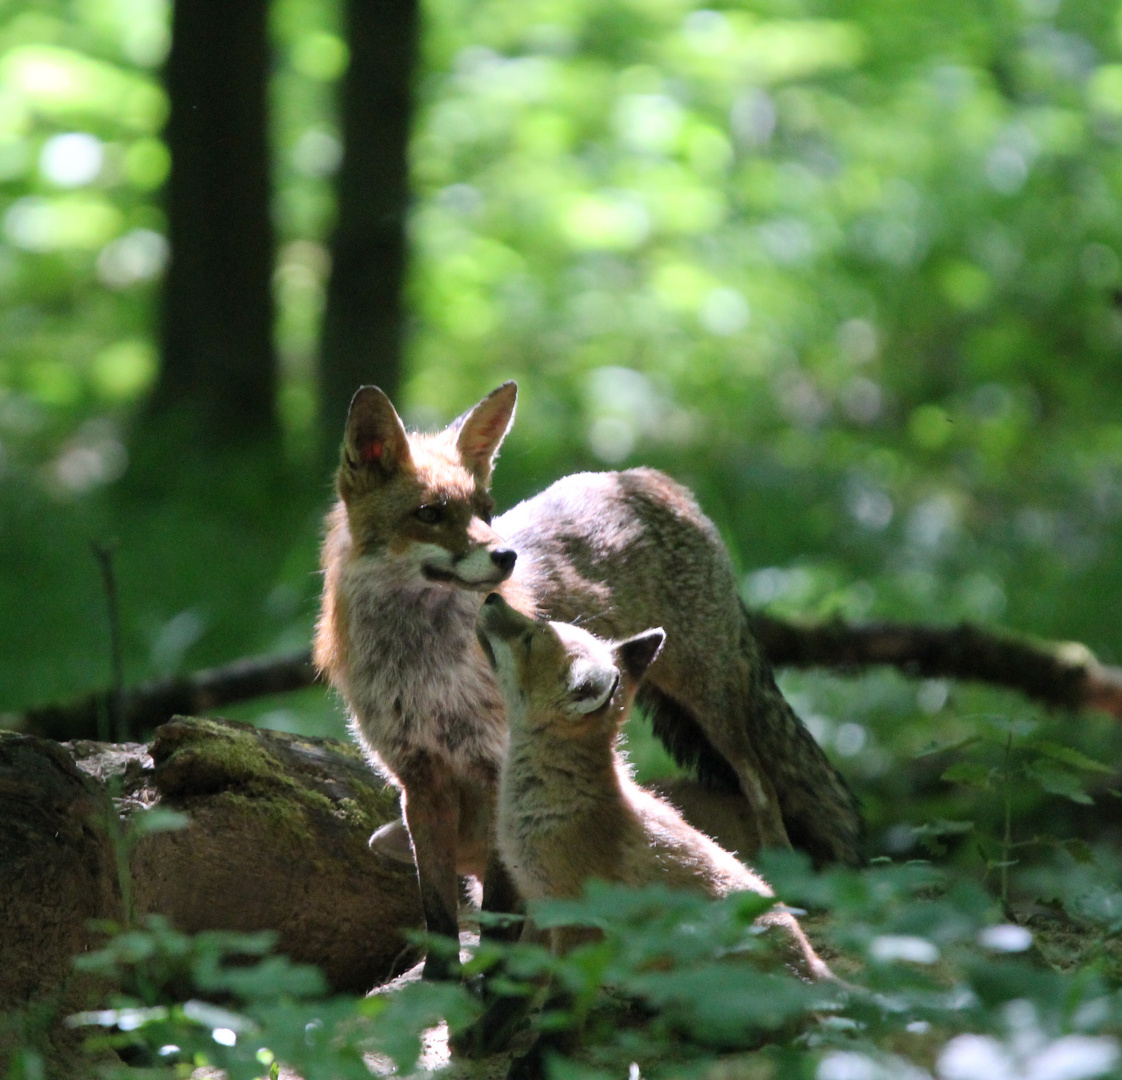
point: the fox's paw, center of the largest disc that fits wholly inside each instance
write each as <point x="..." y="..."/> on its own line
<point x="493" y="1031"/>
<point x="530" y="1065"/>
<point x="392" y="841"/>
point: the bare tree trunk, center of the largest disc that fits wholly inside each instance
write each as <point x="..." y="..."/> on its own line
<point x="218" y="374"/>
<point x="363" y="321"/>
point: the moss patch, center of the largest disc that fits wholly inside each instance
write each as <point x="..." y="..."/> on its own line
<point x="281" y="775"/>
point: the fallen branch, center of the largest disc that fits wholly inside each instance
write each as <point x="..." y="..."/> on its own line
<point x="1058" y="674"/>
<point x="145" y="707"/>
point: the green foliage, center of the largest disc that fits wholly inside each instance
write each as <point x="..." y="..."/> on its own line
<point x="828" y="270"/>
<point x="932" y="975"/>
<point x="225" y="1000"/>
<point x="851" y="271"/>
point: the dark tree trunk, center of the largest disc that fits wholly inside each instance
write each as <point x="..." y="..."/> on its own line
<point x="219" y="370"/>
<point x="363" y="320"/>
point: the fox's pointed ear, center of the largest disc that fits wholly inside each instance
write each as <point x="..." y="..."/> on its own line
<point x="591" y="687"/>
<point x="375" y="440"/>
<point x="637" y="653"/>
<point x="482" y="429"/>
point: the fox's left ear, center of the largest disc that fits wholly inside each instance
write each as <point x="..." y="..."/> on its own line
<point x="375" y="441"/>
<point x="482" y="429"/>
<point x="637" y="653"/>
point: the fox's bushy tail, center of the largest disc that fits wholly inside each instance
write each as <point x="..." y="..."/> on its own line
<point x="821" y="814"/>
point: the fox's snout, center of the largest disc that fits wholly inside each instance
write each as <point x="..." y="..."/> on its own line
<point x="504" y="560"/>
<point x="478" y="570"/>
<point x="482" y="563"/>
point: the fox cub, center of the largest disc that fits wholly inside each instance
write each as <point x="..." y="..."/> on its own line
<point x="568" y="808"/>
<point x="411" y="551"/>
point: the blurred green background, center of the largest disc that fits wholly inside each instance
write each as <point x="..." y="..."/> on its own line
<point x="850" y="270"/>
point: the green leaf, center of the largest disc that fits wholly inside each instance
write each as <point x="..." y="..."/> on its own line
<point x="723" y="1004"/>
<point x="1016" y="726"/>
<point x="970" y="774"/>
<point x="214" y="1016"/>
<point x="413" y="1009"/>
<point x="1100" y="905"/>
<point x="943" y="748"/>
<point x="157" y="819"/>
<point x="1057" y="780"/>
<point x="1070" y="756"/>
<point x="943" y="827"/>
<point x="272" y="977"/>
<point x="1080" y="851"/>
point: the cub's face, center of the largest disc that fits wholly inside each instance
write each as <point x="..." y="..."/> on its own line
<point x="554" y="673"/>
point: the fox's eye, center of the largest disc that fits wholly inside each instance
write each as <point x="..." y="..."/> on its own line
<point x="429" y="514"/>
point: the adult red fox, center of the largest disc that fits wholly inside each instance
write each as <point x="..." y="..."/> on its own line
<point x="409" y="555"/>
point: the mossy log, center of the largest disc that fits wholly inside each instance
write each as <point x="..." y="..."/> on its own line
<point x="276" y="838"/>
<point x="56" y="875"/>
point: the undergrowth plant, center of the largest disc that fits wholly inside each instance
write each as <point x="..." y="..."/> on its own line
<point x="936" y="984"/>
<point x="225" y="1000"/>
<point x="1010" y="757"/>
<point x="939" y="977"/>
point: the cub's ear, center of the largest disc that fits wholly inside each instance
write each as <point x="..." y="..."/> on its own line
<point x="590" y="687"/>
<point x="637" y="653"/>
<point x="375" y="442"/>
<point x="481" y="430"/>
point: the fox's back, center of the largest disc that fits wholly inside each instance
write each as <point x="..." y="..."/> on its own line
<point x="621" y="551"/>
<point x="617" y="552"/>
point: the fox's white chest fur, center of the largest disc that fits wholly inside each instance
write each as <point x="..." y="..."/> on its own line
<point x="416" y="679"/>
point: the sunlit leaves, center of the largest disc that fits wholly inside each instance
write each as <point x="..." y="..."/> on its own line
<point x="321" y="56"/>
<point x="44" y="224"/>
<point x="65" y="85"/>
<point x="741" y="46"/>
<point x="80" y="159"/>
<point x="760" y="183"/>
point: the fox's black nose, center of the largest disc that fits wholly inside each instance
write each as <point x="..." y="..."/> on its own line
<point x="492" y="598"/>
<point x="504" y="559"/>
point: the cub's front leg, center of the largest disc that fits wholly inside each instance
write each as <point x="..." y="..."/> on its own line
<point x="431" y="801"/>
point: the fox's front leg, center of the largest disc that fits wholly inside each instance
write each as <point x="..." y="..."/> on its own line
<point x="500" y="897"/>
<point x="432" y="810"/>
